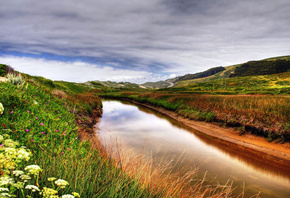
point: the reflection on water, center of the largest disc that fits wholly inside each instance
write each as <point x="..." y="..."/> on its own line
<point x="163" y="139"/>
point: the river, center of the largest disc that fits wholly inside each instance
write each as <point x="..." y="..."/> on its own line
<point x="163" y="139"/>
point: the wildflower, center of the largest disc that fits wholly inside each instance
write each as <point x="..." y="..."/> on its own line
<point x="76" y="138"/>
<point x="5" y="195"/>
<point x="51" y="178"/>
<point x="32" y="187"/>
<point x="35" y="102"/>
<point x="28" y="111"/>
<point x="67" y="196"/>
<point x="41" y="124"/>
<point x="61" y="183"/>
<point x="23" y="154"/>
<point x="33" y="169"/>
<point x="36" y="118"/>
<point x="42" y="132"/>
<point x="48" y="192"/>
<point x="17" y="173"/>
<point x="62" y="152"/>
<point x="10" y="143"/>
<point x="11" y="112"/>
<point x="25" y="178"/>
<point x="76" y="194"/>
<point x="1" y="109"/>
<point x="32" y="140"/>
<point x="26" y="130"/>
<point x="64" y="134"/>
<point x="56" y="130"/>
<point x="4" y="189"/>
<point x="6" y="180"/>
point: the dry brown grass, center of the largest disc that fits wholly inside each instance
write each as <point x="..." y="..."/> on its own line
<point x="59" y="93"/>
<point x="162" y="178"/>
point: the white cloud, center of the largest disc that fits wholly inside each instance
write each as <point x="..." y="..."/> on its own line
<point x="76" y="71"/>
<point x="157" y="36"/>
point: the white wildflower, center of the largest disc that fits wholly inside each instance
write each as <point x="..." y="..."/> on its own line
<point x="32" y="187"/>
<point x="33" y="169"/>
<point x="17" y="173"/>
<point x="23" y="154"/>
<point x="4" y="189"/>
<point x="4" y="195"/>
<point x="67" y="196"/>
<point x="6" y="180"/>
<point x="62" y="183"/>
<point x="25" y="178"/>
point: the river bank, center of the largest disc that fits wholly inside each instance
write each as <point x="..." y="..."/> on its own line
<point x="249" y="145"/>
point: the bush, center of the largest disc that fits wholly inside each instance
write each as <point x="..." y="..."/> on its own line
<point x="15" y="79"/>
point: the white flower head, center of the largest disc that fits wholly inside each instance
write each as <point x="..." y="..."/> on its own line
<point x="17" y="173"/>
<point x="6" y="180"/>
<point x="67" y="196"/>
<point x="4" y="189"/>
<point x="62" y="183"/>
<point x="33" y="169"/>
<point x="32" y="187"/>
<point x="4" y="195"/>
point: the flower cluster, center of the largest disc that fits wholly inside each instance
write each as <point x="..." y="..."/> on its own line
<point x="10" y="156"/>
<point x="10" y="179"/>
<point x="33" y="169"/>
<point x="61" y="183"/>
<point x="1" y="109"/>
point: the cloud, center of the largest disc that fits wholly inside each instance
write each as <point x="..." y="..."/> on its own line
<point x="156" y="36"/>
<point x="77" y="71"/>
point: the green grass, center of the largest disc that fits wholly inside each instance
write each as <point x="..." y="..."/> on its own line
<point x="269" y="84"/>
<point x="263" y="115"/>
<point x="46" y="125"/>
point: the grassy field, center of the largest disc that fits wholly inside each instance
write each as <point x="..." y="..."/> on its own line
<point x="268" y="84"/>
<point x="42" y="155"/>
<point x="263" y="115"/>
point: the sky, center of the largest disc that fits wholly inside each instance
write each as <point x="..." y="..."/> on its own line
<point x="136" y="40"/>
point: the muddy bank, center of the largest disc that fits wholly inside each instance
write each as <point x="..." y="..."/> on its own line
<point x="248" y="145"/>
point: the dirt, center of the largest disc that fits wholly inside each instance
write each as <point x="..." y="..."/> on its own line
<point x="247" y="144"/>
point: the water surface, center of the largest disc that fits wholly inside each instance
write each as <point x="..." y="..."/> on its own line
<point x="163" y="139"/>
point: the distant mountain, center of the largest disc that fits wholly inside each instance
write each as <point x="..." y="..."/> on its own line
<point x="262" y="67"/>
<point x="206" y="73"/>
<point x="156" y="85"/>
<point x="121" y="85"/>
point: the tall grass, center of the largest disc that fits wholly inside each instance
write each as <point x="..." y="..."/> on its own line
<point x="263" y="115"/>
<point x="47" y="125"/>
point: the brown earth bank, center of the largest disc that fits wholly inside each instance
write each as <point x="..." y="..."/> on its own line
<point x="251" y="146"/>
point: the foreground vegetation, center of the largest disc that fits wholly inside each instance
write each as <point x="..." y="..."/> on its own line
<point x="46" y="126"/>
<point x="43" y="121"/>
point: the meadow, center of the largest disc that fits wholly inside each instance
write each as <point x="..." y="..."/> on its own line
<point x="47" y="148"/>
<point x="263" y="115"/>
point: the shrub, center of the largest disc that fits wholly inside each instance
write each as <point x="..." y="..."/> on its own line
<point x="15" y="79"/>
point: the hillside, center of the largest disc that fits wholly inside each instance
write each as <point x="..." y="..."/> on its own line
<point x="263" y="67"/>
<point x="273" y="65"/>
